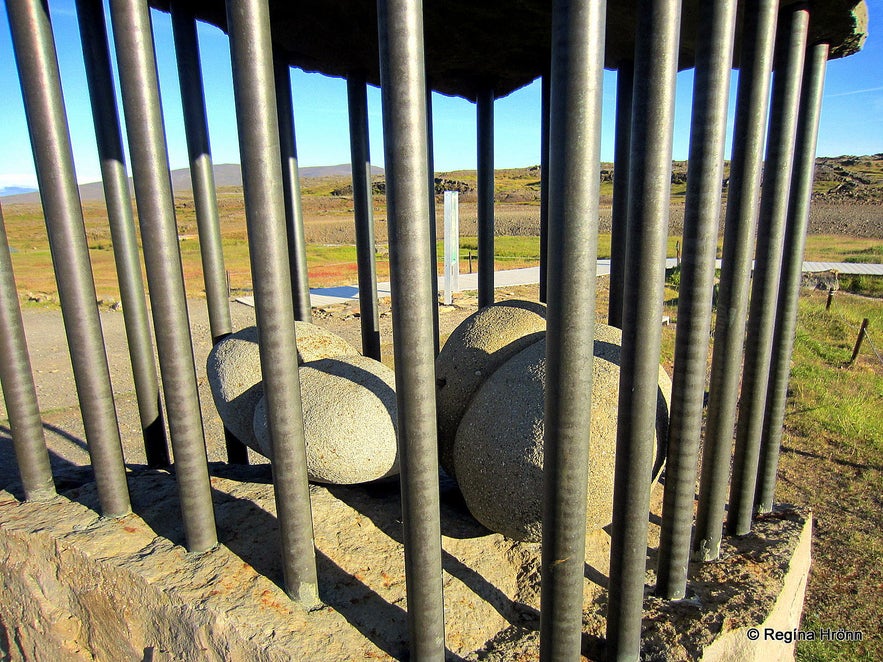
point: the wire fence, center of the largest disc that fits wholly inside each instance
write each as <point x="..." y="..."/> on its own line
<point x="873" y="346"/>
<point x="862" y="334"/>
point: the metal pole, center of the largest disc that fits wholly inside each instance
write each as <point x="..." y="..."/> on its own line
<point x="578" y="33"/>
<point x="656" y="59"/>
<point x="201" y="172"/>
<point x="758" y="36"/>
<point x="363" y="207"/>
<point x="545" y="112"/>
<point x="485" y="124"/>
<point x="19" y="392"/>
<point x="403" y="89"/>
<point x="714" y="55"/>
<point x="159" y="235"/>
<point x="789" y="287"/>
<point x="625" y="82"/>
<point x="99" y="75"/>
<point x="862" y="332"/>
<point x="50" y="140"/>
<point x="203" y="179"/>
<point x="767" y="267"/>
<point x="433" y="226"/>
<point x="252" y="59"/>
<point x="294" y="219"/>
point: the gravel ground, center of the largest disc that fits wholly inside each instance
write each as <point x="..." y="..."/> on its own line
<point x="491" y="583"/>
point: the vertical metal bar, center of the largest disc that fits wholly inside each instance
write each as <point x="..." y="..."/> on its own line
<point x="433" y="227"/>
<point x="485" y="125"/>
<point x="578" y="34"/>
<point x="159" y="234"/>
<point x="789" y="287"/>
<point x="403" y="90"/>
<point x="203" y="179"/>
<point x="201" y="172"/>
<point x="50" y="139"/>
<point x="711" y="90"/>
<point x="252" y="59"/>
<point x="363" y="207"/>
<point x="294" y="219"/>
<point x="767" y="266"/>
<point x="758" y="38"/>
<point x="545" y="112"/>
<point x="625" y="82"/>
<point x="19" y="392"/>
<point x="93" y="32"/>
<point x="656" y="59"/>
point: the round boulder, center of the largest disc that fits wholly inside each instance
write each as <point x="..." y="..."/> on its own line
<point x="349" y="406"/>
<point x="482" y="343"/>
<point x="234" y="372"/>
<point x="498" y="452"/>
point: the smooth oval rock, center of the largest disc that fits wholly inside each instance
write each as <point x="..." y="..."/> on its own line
<point x="498" y="452"/>
<point x="478" y="346"/>
<point x="349" y="406"/>
<point x="234" y="372"/>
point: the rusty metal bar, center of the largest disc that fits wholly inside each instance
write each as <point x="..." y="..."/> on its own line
<point x="50" y="139"/>
<point x="578" y="30"/>
<point x="656" y="59"/>
<point x="294" y="219"/>
<point x="758" y="38"/>
<point x="252" y="59"/>
<point x="789" y="286"/>
<point x="19" y="392"/>
<point x="99" y="75"/>
<point x="403" y="90"/>
<point x="363" y="207"/>
<point x="767" y="266"/>
<point x="625" y="81"/>
<point x="159" y="234"/>
<point x="485" y="126"/>
<point x="711" y="91"/>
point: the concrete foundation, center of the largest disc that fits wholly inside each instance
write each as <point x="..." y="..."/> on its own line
<point x="79" y="587"/>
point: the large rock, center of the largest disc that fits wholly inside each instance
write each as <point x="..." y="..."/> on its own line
<point x="349" y="406"/>
<point x="482" y="343"/>
<point x="234" y="371"/>
<point x="498" y="453"/>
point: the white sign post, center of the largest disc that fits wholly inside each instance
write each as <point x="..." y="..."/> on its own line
<point x="452" y="244"/>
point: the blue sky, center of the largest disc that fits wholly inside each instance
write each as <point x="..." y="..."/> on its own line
<point x="852" y="119"/>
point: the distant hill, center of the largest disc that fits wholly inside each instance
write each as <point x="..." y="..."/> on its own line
<point x="841" y="179"/>
<point x="8" y="191"/>
<point x="226" y="174"/>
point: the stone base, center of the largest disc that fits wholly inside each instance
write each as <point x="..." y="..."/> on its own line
<point x="79" y="587"/>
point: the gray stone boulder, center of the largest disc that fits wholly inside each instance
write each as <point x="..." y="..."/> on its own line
<point x="482" y="343"/>
<point x="498" y="452"/>
<point x="349" y="406"/>
<point x="234" y="371"/>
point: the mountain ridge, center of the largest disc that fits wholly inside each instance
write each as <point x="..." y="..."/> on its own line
<point x="226" y="174"/>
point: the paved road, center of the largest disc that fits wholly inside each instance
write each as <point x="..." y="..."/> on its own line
<point x="326" y="296"/>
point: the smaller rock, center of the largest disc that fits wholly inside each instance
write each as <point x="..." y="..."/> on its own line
<point x="349" y="407"/>
<point x="234" y="372"/>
